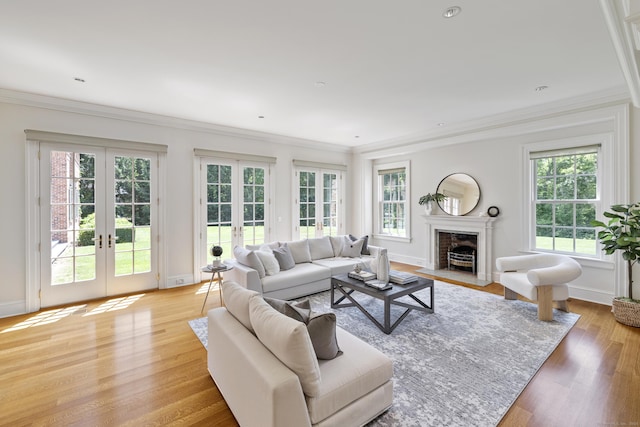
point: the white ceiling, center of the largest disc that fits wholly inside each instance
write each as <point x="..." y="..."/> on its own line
<point x="392" y="68"/>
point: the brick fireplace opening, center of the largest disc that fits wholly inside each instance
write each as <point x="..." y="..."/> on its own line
<point x="457" y="251"/>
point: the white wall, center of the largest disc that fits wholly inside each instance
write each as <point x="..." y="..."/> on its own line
<point x="494" y="158"/>
<point x="180" y="137"/>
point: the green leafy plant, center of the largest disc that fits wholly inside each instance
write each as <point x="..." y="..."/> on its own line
<point x="622" y="233"/>
<point x="435" y="197"/>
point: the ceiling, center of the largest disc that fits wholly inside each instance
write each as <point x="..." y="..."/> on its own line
<point x="347" y="72"/>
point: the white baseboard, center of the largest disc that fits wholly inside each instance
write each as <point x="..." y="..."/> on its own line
<point x="13" y="308"/>
<point x="591" y="295"/>
<point x="407" y="260"/>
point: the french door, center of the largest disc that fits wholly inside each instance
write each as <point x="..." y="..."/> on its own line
<point x="234" y="205"/>
<point x="97" y="212"/>
<point x="318" y="203"/>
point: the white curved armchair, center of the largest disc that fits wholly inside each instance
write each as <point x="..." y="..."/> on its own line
<point x="539" y="277"/>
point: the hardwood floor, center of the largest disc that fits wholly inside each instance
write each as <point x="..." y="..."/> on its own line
<point x="135" y="361"/>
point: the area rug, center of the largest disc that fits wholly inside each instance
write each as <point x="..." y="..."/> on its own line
<point x="464" y="365"/>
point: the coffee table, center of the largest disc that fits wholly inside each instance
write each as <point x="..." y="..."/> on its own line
<point x="345" y="286"/>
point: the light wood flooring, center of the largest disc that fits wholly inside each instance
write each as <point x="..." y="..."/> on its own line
<point x="134" y="361"/>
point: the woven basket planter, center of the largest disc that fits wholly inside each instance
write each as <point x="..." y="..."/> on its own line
<point x="627" y="313"/>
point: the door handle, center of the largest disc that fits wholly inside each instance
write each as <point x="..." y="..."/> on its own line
<point x="99" y="239"/>
<point x="112" y="239"/>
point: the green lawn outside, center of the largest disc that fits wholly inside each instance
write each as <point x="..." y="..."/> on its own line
<point x="583" y="246"/>
<point x="127" y="260"/>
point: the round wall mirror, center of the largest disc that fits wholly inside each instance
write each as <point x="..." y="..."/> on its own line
<point x="462" y="194"/>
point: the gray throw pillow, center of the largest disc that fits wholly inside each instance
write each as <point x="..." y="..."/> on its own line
<point x="321" y="326"/>
<point x="299" y="311"/>
<point x="322" y="330"/>
<point x="351" y="249"/>
<point x="365" y="245"/>
<point x="284" y="257"/>
<point x="250" y="259"/>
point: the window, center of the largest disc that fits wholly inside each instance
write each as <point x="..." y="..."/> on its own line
<point x="566" y="200"/>
<point x="318" y="200"/>
<point x="391" y="199"/>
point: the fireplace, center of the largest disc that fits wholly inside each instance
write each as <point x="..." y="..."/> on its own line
<point x="461" y="243"/>
<point x="457" y="251"/>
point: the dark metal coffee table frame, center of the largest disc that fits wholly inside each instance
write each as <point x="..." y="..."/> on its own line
<point x="346" y="286"/>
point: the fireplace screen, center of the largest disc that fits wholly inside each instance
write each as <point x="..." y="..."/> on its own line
<point x="458" y="251"/>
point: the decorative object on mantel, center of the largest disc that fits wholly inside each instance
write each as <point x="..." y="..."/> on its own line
<point x="428" y="199"/>
<point x="493" y="211"/>
<point x="216" y="252"/>
<point x="622" y="233"/>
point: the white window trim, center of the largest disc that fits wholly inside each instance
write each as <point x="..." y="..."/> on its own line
<point x="406" y="164"/>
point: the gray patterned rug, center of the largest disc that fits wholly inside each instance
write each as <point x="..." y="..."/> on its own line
<point x="464" y="365"/>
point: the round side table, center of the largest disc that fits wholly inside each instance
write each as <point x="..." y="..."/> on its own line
<point x="214" y="270"/>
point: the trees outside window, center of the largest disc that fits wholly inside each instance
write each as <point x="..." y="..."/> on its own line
<point x="392" y="195"/>
<point x="566" y="200"/>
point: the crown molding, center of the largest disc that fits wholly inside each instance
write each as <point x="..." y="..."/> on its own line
<point x="623" y="24"/>
<point x="79" y="107"/>
<point x="515" y="121"/>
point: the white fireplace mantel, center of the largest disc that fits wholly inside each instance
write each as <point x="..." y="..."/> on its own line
<point x="482" y="226"/>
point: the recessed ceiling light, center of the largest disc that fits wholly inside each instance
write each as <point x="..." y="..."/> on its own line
<point x="441" y="124"/>
<point x="321" y="84"/>
<point x="79" y="79"/>
<point x="451" y="11"/>
<point x="541" y="88"/>
<point x="357" y="136"/>
<point x="261" y="117"/>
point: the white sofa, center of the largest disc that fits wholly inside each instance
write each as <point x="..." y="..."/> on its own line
<point x="316" y="260"/>
<point x="266" y="369"/>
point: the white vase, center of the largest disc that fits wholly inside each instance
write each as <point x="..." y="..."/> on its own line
<point x="428" y="207"/>
<point x="383" y="266"/>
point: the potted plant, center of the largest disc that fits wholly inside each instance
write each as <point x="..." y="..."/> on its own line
<point x="622" y="233"/>
<point x="428" y="200"/>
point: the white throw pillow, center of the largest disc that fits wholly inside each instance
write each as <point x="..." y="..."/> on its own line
<point x="320" y="248"/>
<point x="300" y="251"/>
<point x="336" y="244"/>
<point x="350" y="248"/>
<point x="289" y="341"/>
<point x="269" y="261"/>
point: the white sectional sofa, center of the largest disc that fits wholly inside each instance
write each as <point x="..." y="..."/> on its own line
<point x="315" y="261"/>
<point x="264" y="364"/>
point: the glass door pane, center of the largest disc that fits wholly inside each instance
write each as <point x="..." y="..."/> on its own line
<point x="132" y="211"/>
<point x="219" y="208"/>
<point x="72" y="226"/>
<point x="307" y="203"/>
<point x="329" y="204"/>
<point x="253" y="205"/>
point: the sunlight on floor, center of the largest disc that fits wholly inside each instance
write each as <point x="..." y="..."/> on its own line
<point x="45" y="318"/>
<point x="203" y="289"/>
<point x="115" y="304"/>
